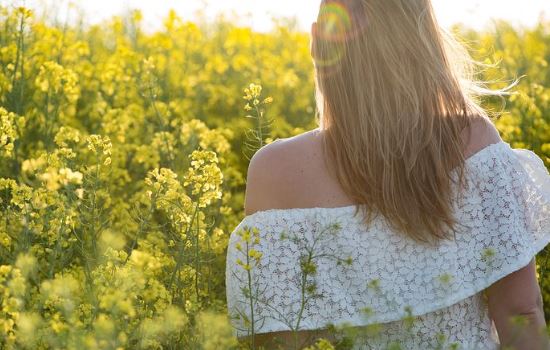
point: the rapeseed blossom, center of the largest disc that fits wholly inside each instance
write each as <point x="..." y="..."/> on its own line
<point x="122" y="170"/>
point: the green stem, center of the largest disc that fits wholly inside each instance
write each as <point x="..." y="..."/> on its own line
<point x="260" y="132"/>
<point x="180" y="257"/>
<point x="251" y="300"/>
<point x="197" y="262"/>
<point x="303" y="301"/>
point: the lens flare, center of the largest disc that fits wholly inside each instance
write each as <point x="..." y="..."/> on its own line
<point x="334" y="21"/>
<point x="338" y="22"/>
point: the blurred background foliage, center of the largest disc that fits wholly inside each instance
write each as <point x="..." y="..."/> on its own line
<point x="123" y="160"/>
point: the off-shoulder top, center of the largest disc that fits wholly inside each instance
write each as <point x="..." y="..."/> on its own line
<point x="310" y="268"/>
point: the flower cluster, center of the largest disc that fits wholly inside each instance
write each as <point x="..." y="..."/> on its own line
<point x="11" y="127"/>
<point x="101" y="147"/>
<point x="204" y="177"/>
<point x="56" y="178"/>
<point x="250" y="237"/>
<point x="56" y="80"/>
<point x="253" y="95"/>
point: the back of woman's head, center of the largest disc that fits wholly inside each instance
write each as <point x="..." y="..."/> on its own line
<point x="394" y="92"/>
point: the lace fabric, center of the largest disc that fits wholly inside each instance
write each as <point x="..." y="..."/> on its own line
<point x="324" y="266"/>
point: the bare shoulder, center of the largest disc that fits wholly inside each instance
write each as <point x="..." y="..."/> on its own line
<point x="272" y="168"/>
<point x="480" y="134"/>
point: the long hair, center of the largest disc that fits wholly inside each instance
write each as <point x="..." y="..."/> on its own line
<point x="394" y="92"/>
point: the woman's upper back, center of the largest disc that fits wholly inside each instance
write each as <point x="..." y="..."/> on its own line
<point x="292" y="173"/>
<point x="295" y="215"/>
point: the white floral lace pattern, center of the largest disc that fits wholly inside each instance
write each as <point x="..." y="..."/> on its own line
<point x="366" y="275"/>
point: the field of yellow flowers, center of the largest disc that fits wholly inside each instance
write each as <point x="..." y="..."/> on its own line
<point x="123" y="156"/>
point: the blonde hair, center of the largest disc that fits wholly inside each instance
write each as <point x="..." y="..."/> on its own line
<point x="394" y="92"/>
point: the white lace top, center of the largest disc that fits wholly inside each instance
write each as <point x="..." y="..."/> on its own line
<point x="308" y="268"/>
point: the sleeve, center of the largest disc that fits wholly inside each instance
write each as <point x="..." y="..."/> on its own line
<point x="506" y="212"/>
<point x="504" y="221"/>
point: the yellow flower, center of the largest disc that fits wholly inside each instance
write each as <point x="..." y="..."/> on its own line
<point x="445" y="278"/>
<point x="254" y="254"/>
<point x="26" y="263"/>
<point x="11" y="127"/>
<point x="252" y="92"/>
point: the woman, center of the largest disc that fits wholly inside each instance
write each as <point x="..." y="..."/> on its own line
<point x="404" y="216"/>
